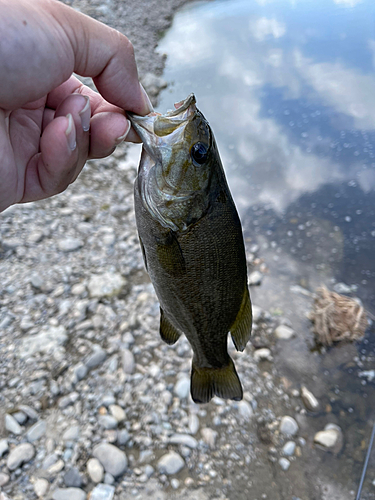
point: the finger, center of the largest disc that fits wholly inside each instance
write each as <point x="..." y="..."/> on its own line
<point x="79" y="107"/>
<point x="107" y="131"/>
<point x="70" y="42"/>
<point x="51" y="171"/>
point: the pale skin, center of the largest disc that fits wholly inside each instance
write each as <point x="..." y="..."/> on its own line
<point x="50" y="123"/>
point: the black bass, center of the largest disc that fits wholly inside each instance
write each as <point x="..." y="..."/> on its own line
<point x="192" y="245"/>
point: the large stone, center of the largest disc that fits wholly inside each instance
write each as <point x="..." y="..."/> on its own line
<point x="47" y="341"/>
<point x="69" y="494"/>
<point x="103" y="492"/>
<point x="95" y="470"/>
<point x="112" y="458"/>
<point x="106" y="285"/>
<point x="171" y="463"/>
<point x="41" y="486"/>
<point x="36" y="431"/>
<point x="19" y="455"/>
<point x="288" y="426"/>
<point x="330" y="438"/>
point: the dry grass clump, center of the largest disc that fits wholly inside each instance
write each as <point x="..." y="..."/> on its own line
<point x="337" y="318"/>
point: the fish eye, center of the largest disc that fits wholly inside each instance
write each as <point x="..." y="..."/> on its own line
<point x="199" y="153"/>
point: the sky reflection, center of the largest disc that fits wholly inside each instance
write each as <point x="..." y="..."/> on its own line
<point x="289" y="90"/>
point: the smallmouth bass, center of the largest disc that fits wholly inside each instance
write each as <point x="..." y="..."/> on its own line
<point x="192" y="244"/>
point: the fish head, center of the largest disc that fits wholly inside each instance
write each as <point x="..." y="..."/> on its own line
<point x="178" y="159"/>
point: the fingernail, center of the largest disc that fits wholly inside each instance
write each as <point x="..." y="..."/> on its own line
<point x="123" y="137"/>
<point x="147" y="101"/>
<point x="85" y="114"/>
<point x="70" y="133"/>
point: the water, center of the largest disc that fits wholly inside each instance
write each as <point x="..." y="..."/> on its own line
<point x="289" y="90"/>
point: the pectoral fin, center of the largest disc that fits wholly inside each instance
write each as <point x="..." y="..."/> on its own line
<point x="168" y="332"/>
<point x="170" y="255"/>
<point x="208" y="382"/>
<point x="241" y="328"/>
<point x="143" y="252"/>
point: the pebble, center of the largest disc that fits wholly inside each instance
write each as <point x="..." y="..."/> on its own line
<point x="80" y="371"/>
<point x="112" y="458"/>
<point x="117" y="412"/>
<point x="284" y="332"/>
<point x="255" y="278"/>
<point x="263" y="354"/>
<point x="182" y="388"/>
<point x="4" y="447"/>
<point x="73" y="478"/>
<point x="289" y="448"/>
<point x="49" y="340"/>
<point x="284" y="463"/>
<point x="330" y="437"/>
<point x="70" y="244"/>
<point x="12" y="425"/>
<point x="68" y="400"/>
<point x="69" y="494"/>
<point x="96" y="358"/>
<point x="245" y="410"/>
<point x="257" y="313"/>
<point x="21" y="454"/>
<point x="309" y="400"/>
<point x="4" y="479"/>
<point x="41" y="487"/>
<point x="107" y="421"/>
<point x="171" y="463"/>
<point x="103" y="492"/>
<point x="36" y="431"/>
<point x="209" y="436"/>
<point x="288" y="426"/>
<point x="108" y="478"/>
<point x="128" y="361"/>
<point x="342" y="288"/>
<point x="30" y="412"/>
<point x="193" y="423"/>
<point x="95" y="470"/>
<point x="56" y="467"/>
<point x="106" y="285"/>
<point x="72" y="433"/>
<point x="20" y="417"/>
<point x="184" y="439"/>
<point x="123" y="437"/>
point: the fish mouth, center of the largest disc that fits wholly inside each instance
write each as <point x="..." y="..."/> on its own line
<point x="158" y="130"/>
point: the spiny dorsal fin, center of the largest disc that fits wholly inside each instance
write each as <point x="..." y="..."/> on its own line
<point x="208" y="382"/>
<point x="168" y="332"/>
<point x="241" y="328"/>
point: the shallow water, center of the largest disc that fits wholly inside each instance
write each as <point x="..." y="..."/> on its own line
<point x="289" y="90"/>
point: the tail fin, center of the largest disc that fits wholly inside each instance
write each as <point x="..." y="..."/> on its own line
<point x="208" y="382"/>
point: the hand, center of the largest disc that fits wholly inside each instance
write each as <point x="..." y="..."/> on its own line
<point x="50" y="123"/>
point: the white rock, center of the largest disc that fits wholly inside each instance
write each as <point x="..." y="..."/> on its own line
<point x="12" y="425"/>
<point x="106" y="285"/>
<point x="117" y="412"/>
<point x="288" y="426"/>
<point x="95" y="470"/>
<point x="4" y="447"/>
<point x="257" y="313"/>
<point x="112" y="458"/>
<point x="245" y="410"/>
<point x="128" y="361"/>
<point x="69" y="494"/>
<point x="21" y="454"/>
<point x="193" y="423"/>
<point x="263" y="354"/>
<point x="284" y="332"/>
<point x="171" y="463"/>
<point x="41" y="487"/>
<point x="369" y="374"/>
<point x="209" y="436"/>
<point x="47" y="341"/>
<point x="184" y="439"/>
<point x="309" y="400"/>
<point x="284" y="463"/>
<point x="255" y="278"/>
<point x="182" y="388"/>
<point x="103" y="492"/>
<point x="330" y="437"/>
<point x="70" y="244"/>
<point x="36" y="431"/>
<point x="289" y="448"/>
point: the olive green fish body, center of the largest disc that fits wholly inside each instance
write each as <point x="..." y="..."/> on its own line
<point x="196" y="260"/>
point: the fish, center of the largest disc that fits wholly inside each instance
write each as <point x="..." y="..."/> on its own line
<point x="192" y="244"/>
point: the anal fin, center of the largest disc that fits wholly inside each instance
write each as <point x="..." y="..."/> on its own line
<point x="209" y="382"/>
<point x="241" y="328"/>
<point x="168" y="332"/>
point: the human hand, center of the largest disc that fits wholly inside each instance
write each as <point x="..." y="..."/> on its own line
<point x="50" y="123"/>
